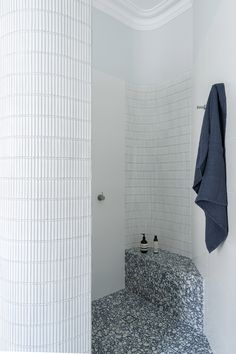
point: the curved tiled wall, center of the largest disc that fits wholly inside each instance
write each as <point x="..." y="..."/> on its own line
<point x="158" y="149"/>
<point x="45" y="175"/>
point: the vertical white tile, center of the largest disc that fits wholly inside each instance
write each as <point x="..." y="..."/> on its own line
<point x="45" y="177"/>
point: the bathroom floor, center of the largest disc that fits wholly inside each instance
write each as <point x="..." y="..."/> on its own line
<point x="125" y="323"/>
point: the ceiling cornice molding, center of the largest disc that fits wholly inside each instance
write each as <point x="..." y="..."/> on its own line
<point x="138" y="18"/>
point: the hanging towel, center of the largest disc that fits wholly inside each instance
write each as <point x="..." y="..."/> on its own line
<point x="210" y="172"/>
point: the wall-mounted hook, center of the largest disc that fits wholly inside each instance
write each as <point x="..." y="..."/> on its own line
<point x="201" y="107"/>
<point x="101" y="197"/>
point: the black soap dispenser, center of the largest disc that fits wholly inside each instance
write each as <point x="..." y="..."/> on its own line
<point x="144" y="244"/>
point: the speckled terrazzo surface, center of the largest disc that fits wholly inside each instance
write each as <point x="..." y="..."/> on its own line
<point x="171" y="261"/>
<point x="125" y="323"/>
<point x="159" y="312"/>
<point x="170" y="281"/>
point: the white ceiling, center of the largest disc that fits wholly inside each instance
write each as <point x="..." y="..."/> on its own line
<point x="143" y="14"/>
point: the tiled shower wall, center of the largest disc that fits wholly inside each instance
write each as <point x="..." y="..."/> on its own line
<point x="158" y="183"/>
<point x="45" y="216"/>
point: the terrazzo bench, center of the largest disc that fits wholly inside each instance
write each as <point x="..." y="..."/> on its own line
<point x="169" y="281"/>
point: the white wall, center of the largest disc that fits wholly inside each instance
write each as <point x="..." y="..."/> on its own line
<point x="111" y="59"/>
<point x="163" y="54"/>
<point x="112" y="46"/>
<point x="158" y="146"/>
<point x="215" y="58"/>
<point x="142" y="57"/>
<point x="108" y="134"/>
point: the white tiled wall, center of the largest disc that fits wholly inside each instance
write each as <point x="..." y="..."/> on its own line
<point x="158" y="164"/>
<point x="45" y="216"/>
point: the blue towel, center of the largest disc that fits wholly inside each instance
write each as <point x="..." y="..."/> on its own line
<point x="210" y="172"/>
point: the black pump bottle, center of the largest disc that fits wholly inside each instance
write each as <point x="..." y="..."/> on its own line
<point x="144" y="244"/>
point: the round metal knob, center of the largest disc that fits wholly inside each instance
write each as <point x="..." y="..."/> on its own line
<point x="101" y="197"/>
